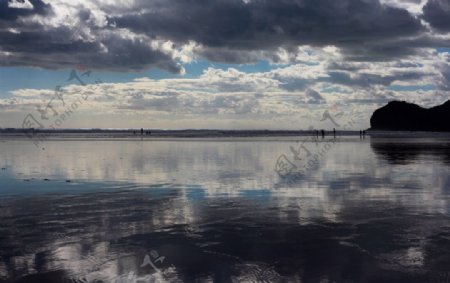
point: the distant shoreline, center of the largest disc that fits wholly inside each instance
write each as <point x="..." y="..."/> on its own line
<point x="155" y="134"/>
<point x="189" y="134"/>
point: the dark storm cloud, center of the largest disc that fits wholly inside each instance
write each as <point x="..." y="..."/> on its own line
<point x="266" y="24"/>
<point x="41" y="42"/>
<point x="232" y="31"/>
<point x="11" y="13"/>
<point x="55" y="49"/>
<point x="437" y="14"/>
<point x="25" y="43"/>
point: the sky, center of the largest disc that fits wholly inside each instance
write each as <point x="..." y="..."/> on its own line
<point x="218" y="64"/>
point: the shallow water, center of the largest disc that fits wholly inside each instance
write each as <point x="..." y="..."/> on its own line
<point x="213" y="210"/>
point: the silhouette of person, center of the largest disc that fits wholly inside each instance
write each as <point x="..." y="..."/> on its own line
<point x="334" y="132"/>
<point x="142" y="131"/>
<point x="323" y="133"/>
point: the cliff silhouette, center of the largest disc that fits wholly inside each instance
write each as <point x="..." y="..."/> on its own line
<point x="404" y="116"/>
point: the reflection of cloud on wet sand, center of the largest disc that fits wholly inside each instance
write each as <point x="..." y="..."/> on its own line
<point x="353" y="211"/>
<point x="281" y="236"/>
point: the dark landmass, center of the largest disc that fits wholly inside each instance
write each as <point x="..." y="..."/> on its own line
<point x="404" y="116"/>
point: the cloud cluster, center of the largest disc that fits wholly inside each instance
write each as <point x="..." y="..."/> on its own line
<point x="11" y="10"/>
<point x="436" y="13"/>
<point x="138" y="34"/>
<point x="291" y="97"/>
<point x="350" y="53"/>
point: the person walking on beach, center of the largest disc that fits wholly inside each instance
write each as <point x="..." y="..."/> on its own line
<point x="142" y="131"/>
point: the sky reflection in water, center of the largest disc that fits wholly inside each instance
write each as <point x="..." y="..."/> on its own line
<point x="370" y="211"/>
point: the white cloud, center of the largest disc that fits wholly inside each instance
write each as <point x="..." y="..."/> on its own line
<point x="292" y="96"/>
<point x="20" y="4"/>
